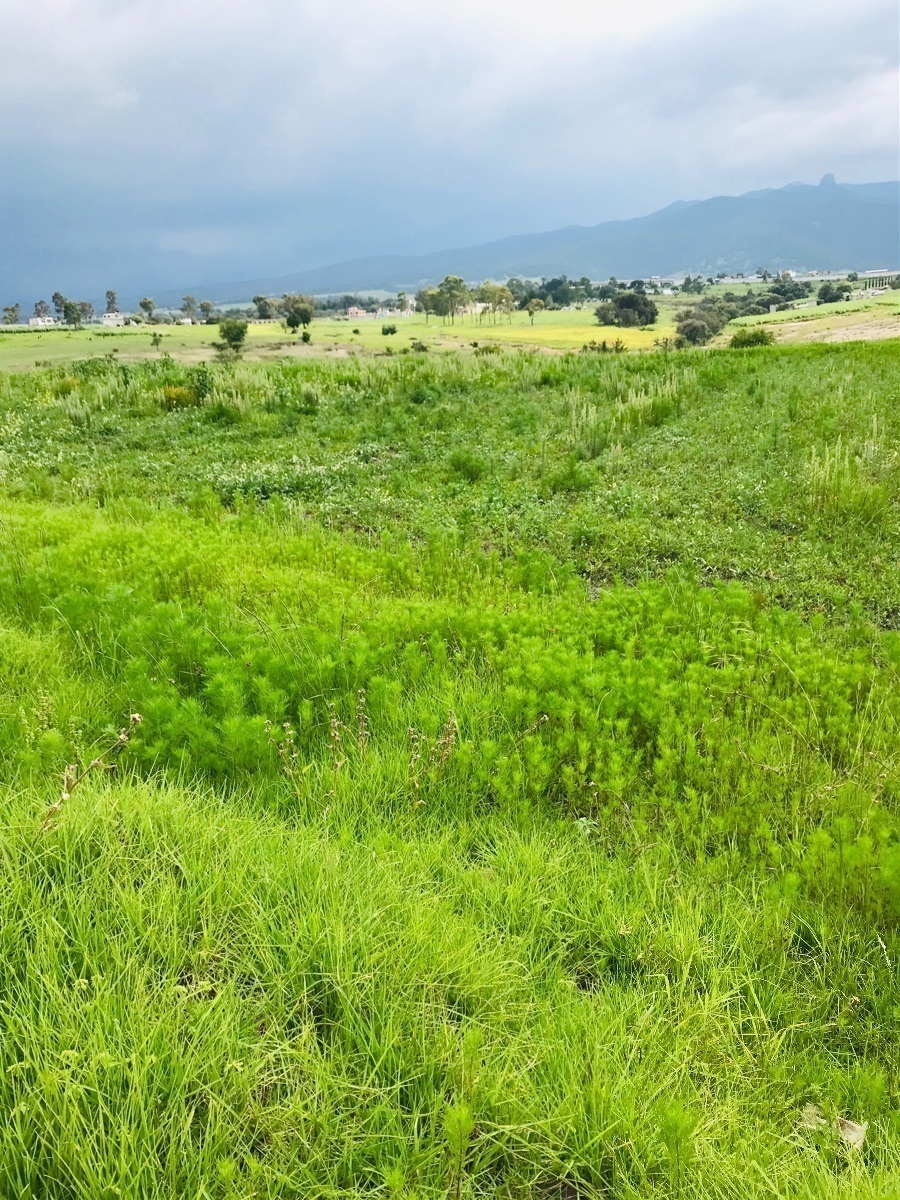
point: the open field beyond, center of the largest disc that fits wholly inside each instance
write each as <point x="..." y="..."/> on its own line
<point x="554" y="331"/>
<point x="507" y="797"/>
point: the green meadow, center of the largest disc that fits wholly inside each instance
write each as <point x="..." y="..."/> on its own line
<point x="449" y="774"/>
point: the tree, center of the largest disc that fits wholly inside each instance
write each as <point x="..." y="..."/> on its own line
<point x="72" y="313"/>
<point x="401" y="301"/>
<point x="298" y="310"/>
<point x="455" y="292"/>
<point x="628" y="309"/>
<point x="232" y="332"/>
<point x="833" y="293"/>
<point x="425" y="299"/>
<point x="112" y="302"/>
<point x="42" y="309"/>
<point x="694" y="332"/>
<point x="189" y="307"/>
<point x="87" y="310"/>
<point x="534" y="306"/>
<point x="206" y="310"/>
<point x="59" y="303"/>
<point x="605" y="312"/>
<point x="635" y="308"/>
<point x="265" y="307"/>
<point x="147" y="305"/>
<point x="11" y="314"/>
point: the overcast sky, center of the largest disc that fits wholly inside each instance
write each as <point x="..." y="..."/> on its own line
<point x="147" y="144"/>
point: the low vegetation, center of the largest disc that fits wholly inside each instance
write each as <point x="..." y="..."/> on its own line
<point x="452" y="775"/>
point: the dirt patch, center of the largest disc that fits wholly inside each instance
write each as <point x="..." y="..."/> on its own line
<point x="850" y="328"/>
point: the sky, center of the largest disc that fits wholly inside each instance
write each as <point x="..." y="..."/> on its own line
<point x="156" y="144"/>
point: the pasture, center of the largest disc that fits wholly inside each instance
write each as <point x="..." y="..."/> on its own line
<point x="514" y="808"/>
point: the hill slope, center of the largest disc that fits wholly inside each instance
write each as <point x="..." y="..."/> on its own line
<point x="829" y="227"/>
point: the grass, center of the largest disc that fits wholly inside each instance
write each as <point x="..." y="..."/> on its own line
<point x="514" y="811"/>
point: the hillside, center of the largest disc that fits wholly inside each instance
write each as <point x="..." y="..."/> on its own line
<point x="829" y="227"/>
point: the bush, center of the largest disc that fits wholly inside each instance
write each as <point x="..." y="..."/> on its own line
<point x="745" y="338"/>
<point x="388" y="330"/>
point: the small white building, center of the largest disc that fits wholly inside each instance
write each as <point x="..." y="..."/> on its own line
<point x="112" y="320"/>
<point x="41" y="322"/>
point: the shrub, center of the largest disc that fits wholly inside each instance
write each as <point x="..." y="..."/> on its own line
<point x="745" y="338"/>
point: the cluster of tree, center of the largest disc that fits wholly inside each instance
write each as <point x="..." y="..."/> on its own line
<point x="832" y="292"/>
<point x="700" y="323"/>
<point x="292" y="310"/>
<point x="627" y="309"/>
<point x="341" y="304"/>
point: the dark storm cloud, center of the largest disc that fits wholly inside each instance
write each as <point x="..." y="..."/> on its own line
<point x="150" y="145"/>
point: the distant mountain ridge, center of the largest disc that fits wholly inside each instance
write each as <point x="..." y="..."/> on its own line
<point x="828" y="227"/>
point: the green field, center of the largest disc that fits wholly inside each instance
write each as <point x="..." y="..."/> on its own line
<point x="553" y="331"/>
<point x="515" y="806"/>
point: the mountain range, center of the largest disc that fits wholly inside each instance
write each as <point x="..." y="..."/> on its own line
<point x="828" y="227"/>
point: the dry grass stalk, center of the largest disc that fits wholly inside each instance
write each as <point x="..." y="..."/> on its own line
<point x="72" y="777"/>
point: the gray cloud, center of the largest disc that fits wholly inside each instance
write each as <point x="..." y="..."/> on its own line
<point x="154" y="144"/>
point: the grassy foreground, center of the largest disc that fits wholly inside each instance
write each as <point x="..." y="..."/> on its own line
<point x="514" y="810"/>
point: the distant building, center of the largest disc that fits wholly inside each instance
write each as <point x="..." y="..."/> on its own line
<point x="112" y="319"/>
<point x="41" y="322"/>
<point x="355" y="311"/>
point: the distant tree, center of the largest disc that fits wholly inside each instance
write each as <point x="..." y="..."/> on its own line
<point x="534" y="306"/>
<point x="87" y="310"/>
<point x="72" y="313"/>
<point x="636" y="285"/>
<point x="764" y="275"/>
<point x="232" y="333"/>
<point x="147" y="305"/>
<point x="206" y="310"/>
<point x="59" y="303"/>
<point x="605" y="312"/>
<point x="693" y="332"/>
<point x="264" y="307"/>
<point x="11" y="314"/>
<point x="401" y="301"/>
<point x="42" y="309"/>
<point x="606" y="291"/>
<point x="455" y="292"/>
<point x="189" y="307"/>
<point x="112" y="302"/>
<point x="853" y="277"/>
<point x="627" y="309"/>
<point x="635" y="308"/>
<point x="425" y="301"/>
<point x="298" y="310"/>
<point x="833" y="293"/>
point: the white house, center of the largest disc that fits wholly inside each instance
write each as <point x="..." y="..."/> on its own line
<point x="41" y="322"/>
<point x="112" y="319"/>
